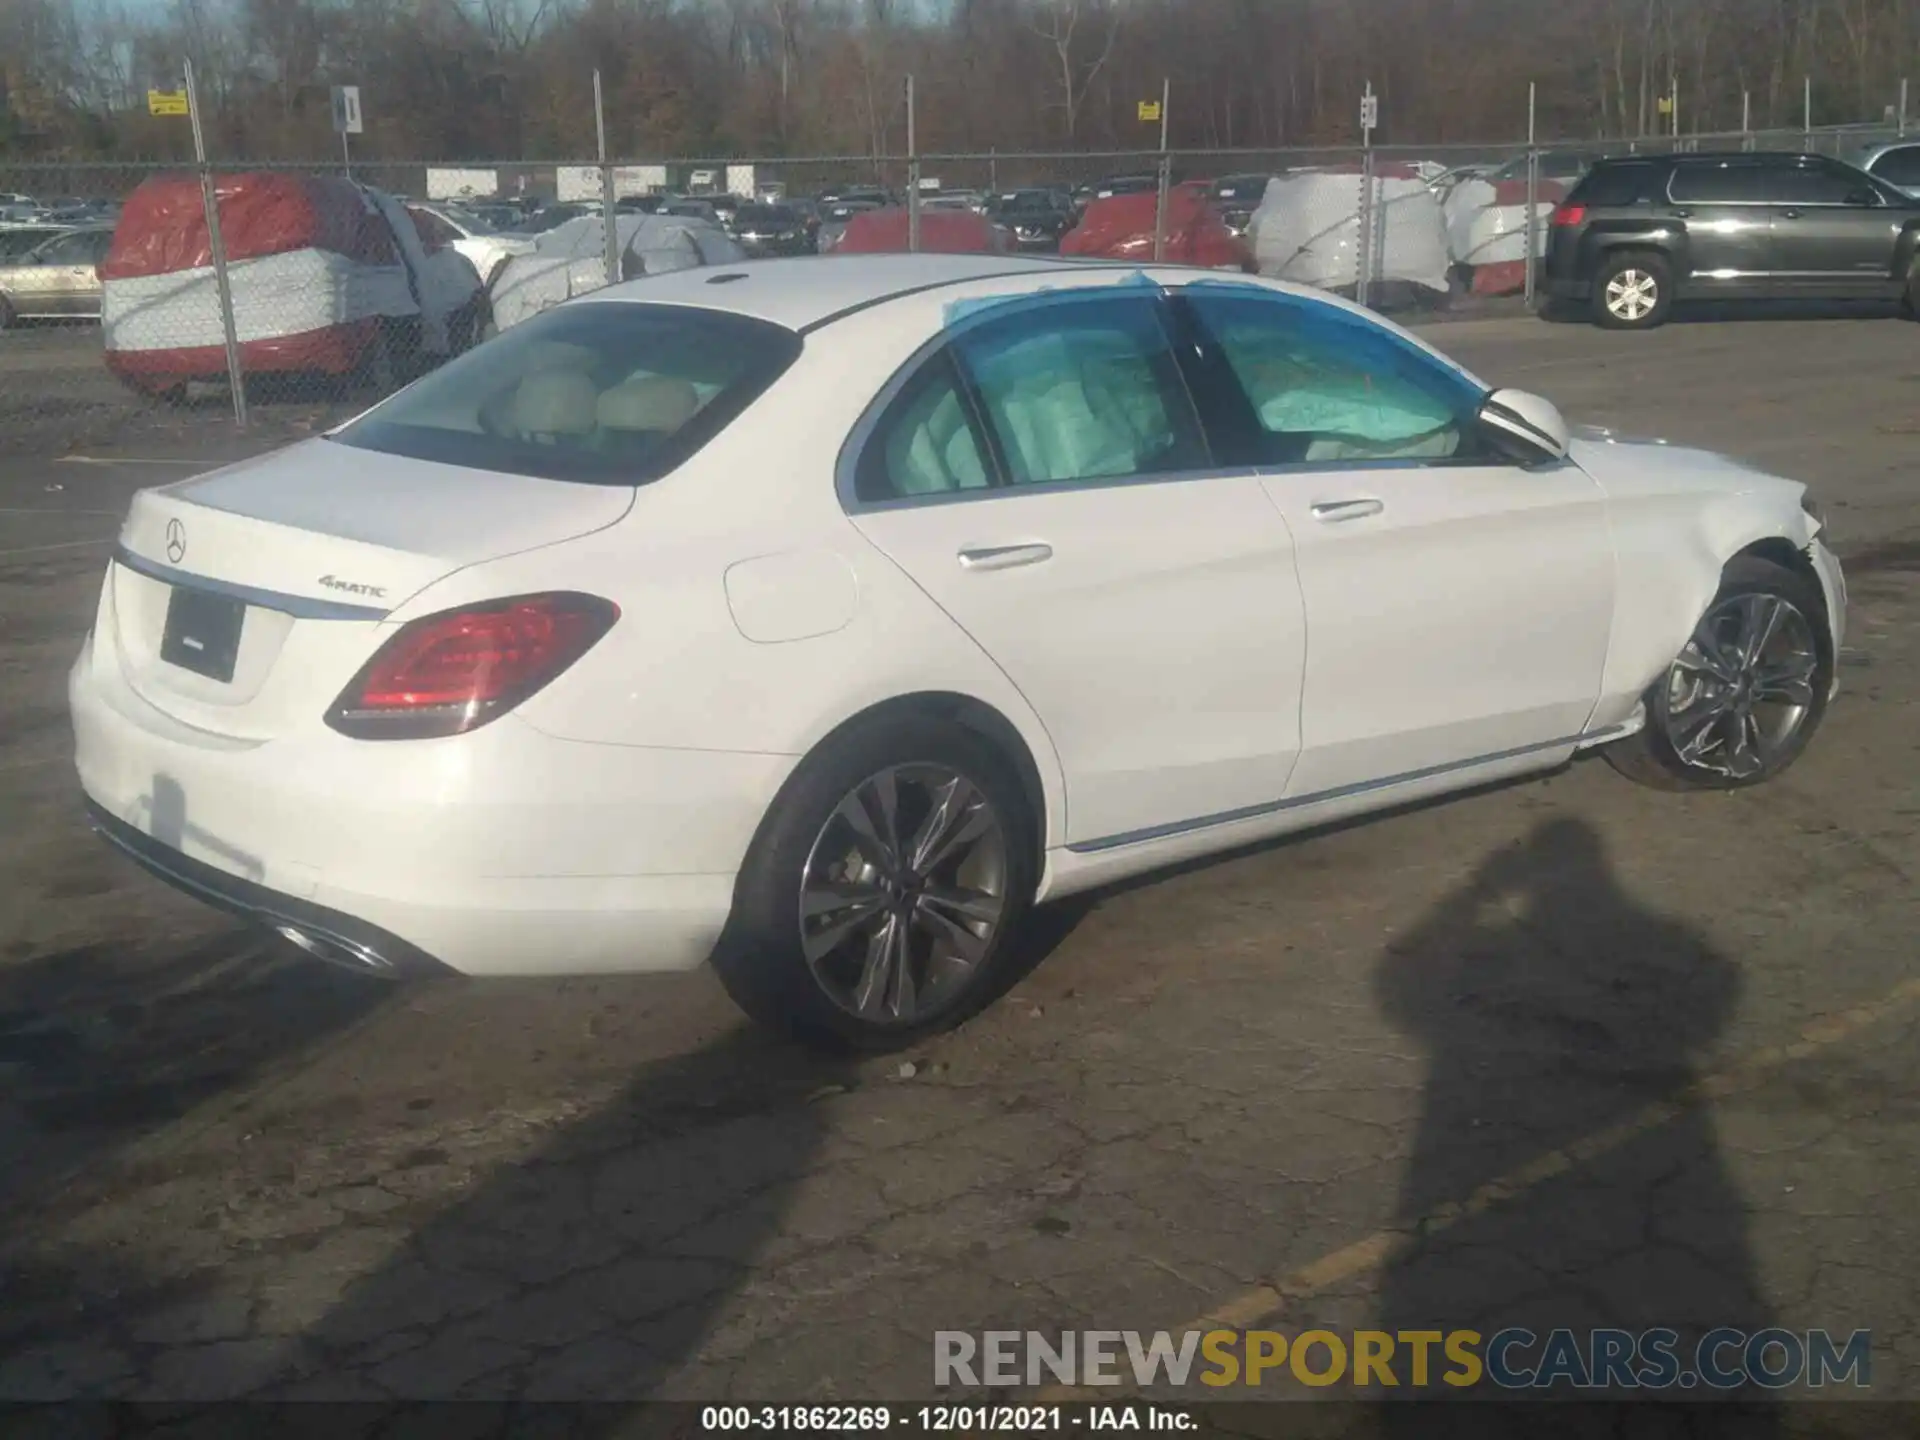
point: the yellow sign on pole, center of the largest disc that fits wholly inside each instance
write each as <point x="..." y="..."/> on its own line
<point x="167" y="102"/>
<point x="1149" y="109"/>
<point x="1666" y="104"/>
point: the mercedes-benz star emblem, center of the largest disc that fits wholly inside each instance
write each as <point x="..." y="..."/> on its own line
<point x="176" y="541"/>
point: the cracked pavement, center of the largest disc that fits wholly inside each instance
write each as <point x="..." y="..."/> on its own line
<point x="232" y="1172"/>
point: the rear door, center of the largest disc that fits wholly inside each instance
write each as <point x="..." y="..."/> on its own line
<point x="1044" y="479"/>
<point x="1833" y="232"/>
<point x="59" y="270"/>
<point x="1727" y="212"/>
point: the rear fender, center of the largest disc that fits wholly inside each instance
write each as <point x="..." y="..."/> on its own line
<point x="1666" y="237"/>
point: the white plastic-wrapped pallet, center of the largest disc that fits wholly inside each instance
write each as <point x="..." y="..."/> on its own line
<point x="1308" y="229"/>
<point x="571" y="259"/>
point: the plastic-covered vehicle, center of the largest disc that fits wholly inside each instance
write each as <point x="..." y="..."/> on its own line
<point x="571" y="259"/>
<point x="328" y="278"/>
<point x="1121" y="227"/>
<point x="1487" y="229"/>
<point x="1307" y="229"/>
<point x="942" y="232"/>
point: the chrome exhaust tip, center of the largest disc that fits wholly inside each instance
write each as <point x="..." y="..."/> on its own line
<point x="336" y="951"/>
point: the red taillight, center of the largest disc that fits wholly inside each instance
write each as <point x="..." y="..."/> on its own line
<point x="1569" y="215"/>
<point x="449" y="673"/>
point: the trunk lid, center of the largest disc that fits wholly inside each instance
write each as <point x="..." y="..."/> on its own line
<point x="291" y="562"/>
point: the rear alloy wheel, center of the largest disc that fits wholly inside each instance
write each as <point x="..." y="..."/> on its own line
<point x="1633" y="292"/>
<point x="877" y="903"/>
<point x="1744" y="696"/>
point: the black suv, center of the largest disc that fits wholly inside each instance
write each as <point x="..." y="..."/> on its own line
<point x="1635" y="235"/>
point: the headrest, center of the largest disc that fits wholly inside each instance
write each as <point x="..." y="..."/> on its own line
<point x="555" y="402"/>
<point x="649" y="402"/>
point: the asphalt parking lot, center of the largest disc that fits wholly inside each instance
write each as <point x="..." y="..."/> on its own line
<point x="1563" y="1053"/>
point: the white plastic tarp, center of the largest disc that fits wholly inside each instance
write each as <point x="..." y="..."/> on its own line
<point x="570" y="259"/>
<point x="1307" y="230"/>
<point x="1482" y="231"/>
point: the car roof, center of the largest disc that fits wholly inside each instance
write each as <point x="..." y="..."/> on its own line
<point x="804" y="292"/>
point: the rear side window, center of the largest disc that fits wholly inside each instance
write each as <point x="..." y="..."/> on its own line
<point x="1814" y="184"/>
<point x="1616" y="185"/>
<point x="1088" y="390"/>
<point x="1708" y="182"/>
<point x="605" y="393"/>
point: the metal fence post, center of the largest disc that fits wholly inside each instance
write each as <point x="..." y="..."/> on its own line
<point x="608" y="201"/>
<point x="1901" y="126"/>
<point x="1166" y="178"/>
<point x="913" y="174"/>
<point x="230" y="334"/>
<point x="1807" y="112"/>
<point x="1746" y="120"/>
<point x="1363" y="282"/>
<point x="1533" y="191"/>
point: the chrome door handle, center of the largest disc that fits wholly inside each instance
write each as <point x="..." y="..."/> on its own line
<point x="1004" y="557"/>
<point x="1332" y="511"/>
<point x="1790" y="214"/>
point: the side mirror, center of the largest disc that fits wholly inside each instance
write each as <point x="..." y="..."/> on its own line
<point x="1534" y="422"/>
<point x="1863" y="197"/>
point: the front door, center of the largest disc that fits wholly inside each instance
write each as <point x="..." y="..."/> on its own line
<point x="1727" y="212"/>
<point x="1044" y="479"/>
<point x="1458" y="605"/>
<point x="1833" y="232"/>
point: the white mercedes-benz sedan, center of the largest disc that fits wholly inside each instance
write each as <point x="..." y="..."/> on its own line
<point x="820" y="617"/>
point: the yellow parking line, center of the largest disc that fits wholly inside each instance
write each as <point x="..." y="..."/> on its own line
<point x="1264" y="1302"/>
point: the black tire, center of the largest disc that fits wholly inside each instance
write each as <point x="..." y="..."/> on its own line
<point x="7" y="316"/>
<point x="1650" y="758"/>
<point x="1910" y="297"/>
<point x="760" y="960"/>
<point x="1655" y="270"/>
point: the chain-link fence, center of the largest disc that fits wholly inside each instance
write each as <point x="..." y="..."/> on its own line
<point x="130" y="296"/>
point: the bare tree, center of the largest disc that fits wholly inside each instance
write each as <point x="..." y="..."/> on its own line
<point x="1058" y="22"/>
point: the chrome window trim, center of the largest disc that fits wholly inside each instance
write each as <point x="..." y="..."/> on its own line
<point x="847" y="467"/>
<point x="298" y="606"/>
<point x="1340" y="792"/>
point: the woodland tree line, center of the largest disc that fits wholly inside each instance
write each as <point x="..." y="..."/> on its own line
<point x="511" y="79"/>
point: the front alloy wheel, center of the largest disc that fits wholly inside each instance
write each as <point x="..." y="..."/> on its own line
<point x="1742" y="689"/>
<point x="903" y="894"/>
<point x="1747" y="691"/>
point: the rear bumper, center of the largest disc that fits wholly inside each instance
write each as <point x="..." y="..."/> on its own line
<point x="502" y="852"/>
<point x="328" y="934"/>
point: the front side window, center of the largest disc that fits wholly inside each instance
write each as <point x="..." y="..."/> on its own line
<point x="1083" y="390"/>
<point x="1707" y="183"/>
<point x="67" y="250"/>
<point x="1327" y="386"/>
<point x="608" y="393"/>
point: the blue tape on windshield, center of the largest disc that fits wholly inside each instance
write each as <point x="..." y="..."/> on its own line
<point x="958" y="312"/>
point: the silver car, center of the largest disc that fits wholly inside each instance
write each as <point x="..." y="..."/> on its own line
<point x="1897" y="163"/>
<point x="59" y="277"/>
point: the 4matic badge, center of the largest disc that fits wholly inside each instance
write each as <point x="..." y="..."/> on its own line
<point x="335" y="583"/>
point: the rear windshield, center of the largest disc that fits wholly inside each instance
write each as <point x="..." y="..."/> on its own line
<point x="767" y="215"/>
<point x="605" y="392"/>
<point x="1611" y="185"/>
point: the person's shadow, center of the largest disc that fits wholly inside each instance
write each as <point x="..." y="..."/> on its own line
<point x="1558" y="1017"/>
